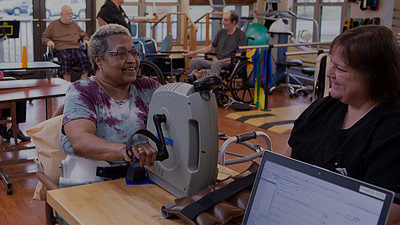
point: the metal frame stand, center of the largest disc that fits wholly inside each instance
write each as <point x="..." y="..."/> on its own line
<point x="6" y="177"/>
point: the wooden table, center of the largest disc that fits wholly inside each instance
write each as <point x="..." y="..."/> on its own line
<point x="114" y="202"/>
<point x="21" y="90"/>
<point x="30" y="89"/>
<point x="45" y="66"/>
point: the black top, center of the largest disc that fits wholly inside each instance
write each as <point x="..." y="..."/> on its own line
<point x="368" y="151"/>
<point x="110" y="13"/>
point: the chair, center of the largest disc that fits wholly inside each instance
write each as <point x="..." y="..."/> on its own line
<point x="48" y="210"/>
<point x="310" y="71"/>
<point x="166" y="45"/>
<point x="50" y="55"/>
<point x="48" y="183"/>
<point x="162" y="58"/>
<point x="283" y="68"/>
<point x="321" y="83"/>
<point x="13" y="110"/>
<point x="13" y="120"/>
<point x="134" y="29"/>
<point x="237" y="79"/>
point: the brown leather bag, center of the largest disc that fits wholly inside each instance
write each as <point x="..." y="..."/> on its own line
<point x="221" y="203"/>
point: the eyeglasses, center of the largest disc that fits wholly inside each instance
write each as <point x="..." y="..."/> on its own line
<point x="123" y="54"/>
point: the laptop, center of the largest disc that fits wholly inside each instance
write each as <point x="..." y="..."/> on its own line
<point x="287" y="191"/>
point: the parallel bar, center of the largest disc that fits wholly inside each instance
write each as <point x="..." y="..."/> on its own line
<point x="284" y="45"/>
<point x="307" y="52"/>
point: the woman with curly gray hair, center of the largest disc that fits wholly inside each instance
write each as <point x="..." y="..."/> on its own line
<point x="101" y="112"/>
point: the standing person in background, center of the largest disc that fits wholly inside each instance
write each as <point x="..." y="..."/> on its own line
<point x="112" y="12"/>
<point x="64" y="35"/>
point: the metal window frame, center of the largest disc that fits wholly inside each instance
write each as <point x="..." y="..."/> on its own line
<point x="39" y="24"/>
<point x="142" y="5"/>
<point x="318" y="4"/>
<point x="237" y="7"/>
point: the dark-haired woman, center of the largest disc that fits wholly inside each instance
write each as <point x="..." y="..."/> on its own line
<point x="356" y="130"/>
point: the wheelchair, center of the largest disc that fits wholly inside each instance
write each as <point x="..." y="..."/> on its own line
<point x="147" y="67"/>
<point x="150" y="69"/>
<point x="237" y="79"/>
<point x="50" y="55"/>
<point x="159" y="58"/>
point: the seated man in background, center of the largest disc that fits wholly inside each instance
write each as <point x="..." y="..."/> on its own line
<point x="64" y="35"/>
<point x="225" y="43"/>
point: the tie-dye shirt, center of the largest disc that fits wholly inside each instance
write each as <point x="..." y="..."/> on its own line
<point x="115" y="120"/>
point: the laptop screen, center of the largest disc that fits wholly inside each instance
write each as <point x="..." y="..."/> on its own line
<point x="287" y="191"/>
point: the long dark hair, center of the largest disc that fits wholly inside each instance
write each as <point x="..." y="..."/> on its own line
<point x="374" y="53"/>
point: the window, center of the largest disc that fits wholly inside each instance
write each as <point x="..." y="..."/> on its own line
<point x="11" y="48"/>
<point x="196" y="11"/>
<point x="145" y="8"/>
<point x="302" y="25"/>
<point x="330" y="25"/>
<point x="329" y="14"/>
<point x="53" y="8"/>
<point x="132" y="11"/>
<point x="161" y="29"/>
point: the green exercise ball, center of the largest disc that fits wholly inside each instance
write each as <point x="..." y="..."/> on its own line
<point x="259" y="32"/>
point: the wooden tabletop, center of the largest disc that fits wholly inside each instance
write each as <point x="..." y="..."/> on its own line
<point x="39" y="65"/>
<point x="114" y="202"/>
<point x="16" y="90"/>
<point x="12" y="84"/>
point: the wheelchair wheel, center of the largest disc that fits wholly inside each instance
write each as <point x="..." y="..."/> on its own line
<point x="149" y="69"/>
<point x="240" y="83"/>
<point x="222" y="99"/>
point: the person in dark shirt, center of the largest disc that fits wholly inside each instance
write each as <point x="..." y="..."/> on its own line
<point x="355" y="131"/>
<point x="225" y="43"/>
<point x="112" y="12"/>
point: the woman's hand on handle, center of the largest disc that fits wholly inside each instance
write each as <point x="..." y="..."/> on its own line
<point x="145" y="153"/>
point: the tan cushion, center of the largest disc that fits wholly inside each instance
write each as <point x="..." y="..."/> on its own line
<point x="46" y="136"/>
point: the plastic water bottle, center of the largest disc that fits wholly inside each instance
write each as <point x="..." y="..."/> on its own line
<point x="24" y="57"/>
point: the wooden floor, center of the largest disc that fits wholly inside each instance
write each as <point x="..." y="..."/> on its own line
<point x="19" y="209"/>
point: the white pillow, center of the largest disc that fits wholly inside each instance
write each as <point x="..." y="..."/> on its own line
<point x="46" y="136"/>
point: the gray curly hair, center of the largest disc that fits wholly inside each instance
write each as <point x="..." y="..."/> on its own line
<point x="98" y="42"/>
